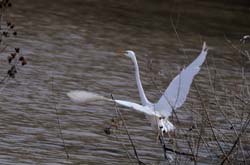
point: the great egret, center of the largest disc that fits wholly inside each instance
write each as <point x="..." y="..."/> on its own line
<point x="174" y="96"/>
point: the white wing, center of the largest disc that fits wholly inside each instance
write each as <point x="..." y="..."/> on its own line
<point x="82" y="97"/>
<point x="145" y="109"/>
<point x="176" y="93"/>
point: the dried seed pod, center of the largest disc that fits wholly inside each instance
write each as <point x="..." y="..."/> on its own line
<point x="10" y="59"/>
<point x="5" y="34"/>
<point x="9" y="73"/>
<point x="24" y="62"/>
<point x="12" y="71"/>
<point x="107" y="131"/>
<point x="13" y="55"/>
<point x="21" y="58"/>
<point x="8" y="23"/>
<point x="17" y="50"/>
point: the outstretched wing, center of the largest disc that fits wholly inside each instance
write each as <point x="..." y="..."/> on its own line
<point x="176" y="93"/>
<point x="137" y="107"/>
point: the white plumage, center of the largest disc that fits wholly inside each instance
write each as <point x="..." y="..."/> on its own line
<point x="174" y="96"/>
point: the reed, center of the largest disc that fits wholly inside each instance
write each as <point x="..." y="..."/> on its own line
<point x="15" y="59"/>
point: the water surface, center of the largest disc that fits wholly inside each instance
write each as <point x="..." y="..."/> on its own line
<point x="72" y="45"/>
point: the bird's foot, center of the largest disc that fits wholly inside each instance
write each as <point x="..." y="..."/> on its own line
<point x="164" y="132"/>
<point x="164" y="125"/>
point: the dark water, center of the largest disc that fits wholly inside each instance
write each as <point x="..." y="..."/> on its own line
<point x="72" y="45"/>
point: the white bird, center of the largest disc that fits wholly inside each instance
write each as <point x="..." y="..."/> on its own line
<point x="174" y="96"/>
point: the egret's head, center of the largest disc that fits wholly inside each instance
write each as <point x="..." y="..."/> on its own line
<point x="129" y="53"/>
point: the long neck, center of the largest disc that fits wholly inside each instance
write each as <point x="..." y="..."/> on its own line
<point x="143" y="97"/>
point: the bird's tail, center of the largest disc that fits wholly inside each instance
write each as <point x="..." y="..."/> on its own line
<point x="81" y="97"/>
<point x="165" y="125"/>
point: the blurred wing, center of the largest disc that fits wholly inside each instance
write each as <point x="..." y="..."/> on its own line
<point x="136" y="106"/>
<point x="81" y="97"/>
<point x="176" y="93"/>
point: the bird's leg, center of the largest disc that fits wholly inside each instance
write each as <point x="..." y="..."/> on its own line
<point x="158" y="134"/>
<point x="161" y="139"/>
<point x="160" y="130"/>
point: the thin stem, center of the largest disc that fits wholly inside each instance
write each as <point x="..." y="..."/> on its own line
<point x="209" y="121"/>
<point x="246" y="124"/>
<point x="129" y="137"/>
<point x="58" y="121"/>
